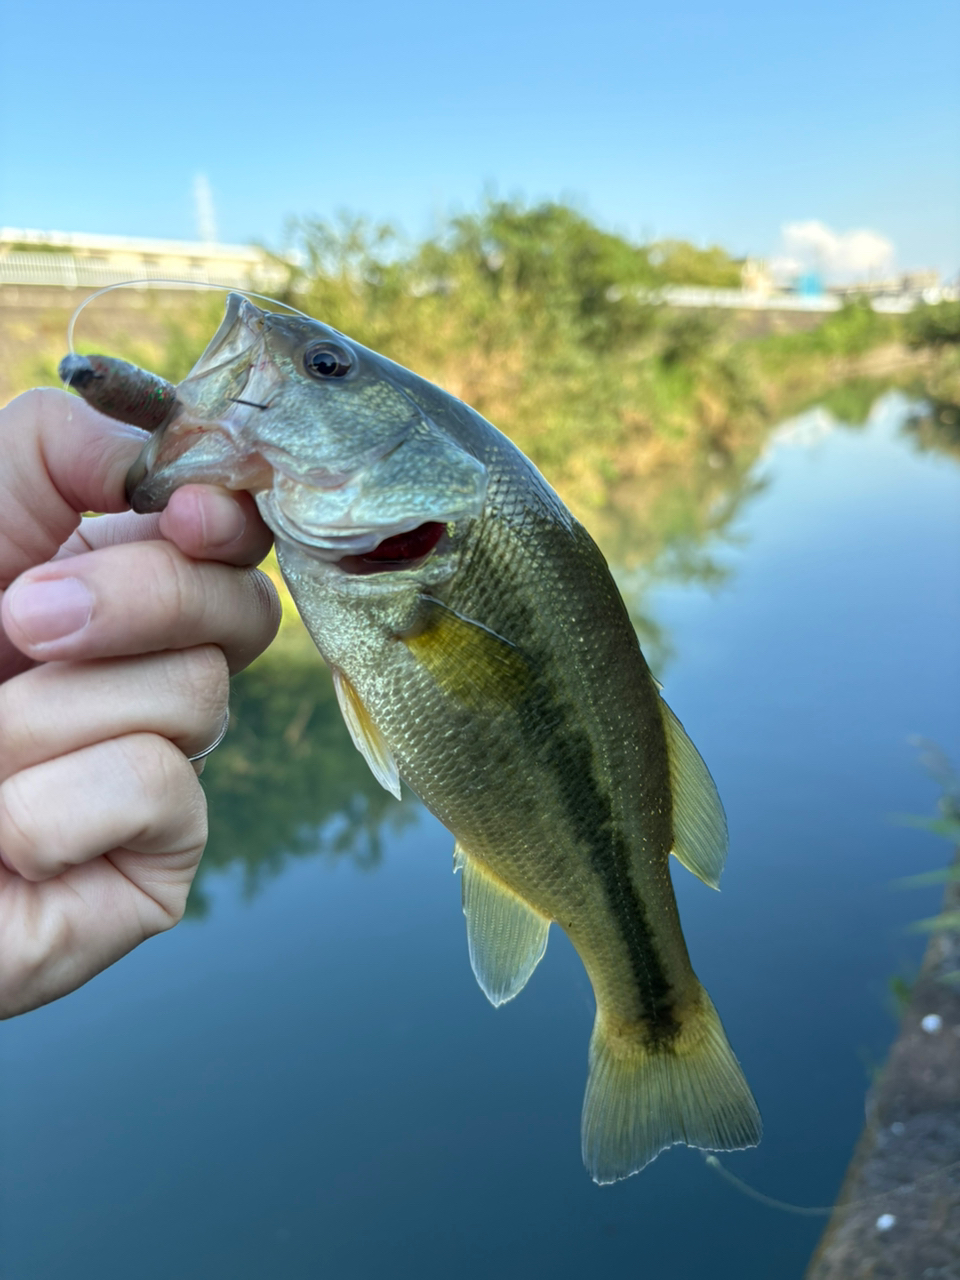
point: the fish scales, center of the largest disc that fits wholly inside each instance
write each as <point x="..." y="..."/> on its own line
<point x="607" y="782"/>
<point x="482" y="652"/>
<point x="591" y="783"/>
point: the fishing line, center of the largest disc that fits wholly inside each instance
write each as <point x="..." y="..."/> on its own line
<point x="190" y="284"/>
<point x="745" y="1188"/>
<point x="823" y="1211"/>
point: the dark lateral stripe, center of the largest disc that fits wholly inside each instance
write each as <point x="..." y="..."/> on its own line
<point x="559" y="742"/>
<point x="566" y="750"/>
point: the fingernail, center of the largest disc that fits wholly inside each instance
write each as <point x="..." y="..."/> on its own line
<point x="50" y="609"/>
<point x="223" y="521"/>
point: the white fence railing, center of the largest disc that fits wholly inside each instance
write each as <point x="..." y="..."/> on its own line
<point x="66" y="271"/>
<point x="743" y="300"/>
<point x="63" y="270"/>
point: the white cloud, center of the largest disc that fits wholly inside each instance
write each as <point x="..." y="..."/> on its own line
<point x="839" y="256"/>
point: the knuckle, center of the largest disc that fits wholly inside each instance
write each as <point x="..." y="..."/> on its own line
<point x="205" y="679"/>
<point x="39" y="405"/>
<point x="170" y="914"/>
<point x="165" y="579"/>
<point x="17" y="717"/>
<point x="46" y="404"/>
<point x="158" y="767"/>
<point x="20" y="836"/>
<point x="26" y="407"/>
<point x="171" y="803"/>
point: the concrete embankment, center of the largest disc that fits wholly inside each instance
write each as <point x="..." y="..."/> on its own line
<point x="898" y="1213"/>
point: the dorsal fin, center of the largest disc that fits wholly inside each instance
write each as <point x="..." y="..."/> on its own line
<point x="699" y="823"/>
<point x="367" y="738"/>
<point x="505" y="936"/>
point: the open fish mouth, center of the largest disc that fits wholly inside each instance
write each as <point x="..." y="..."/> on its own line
<point x="401" y="551"/>
<point x="377" y="519"/>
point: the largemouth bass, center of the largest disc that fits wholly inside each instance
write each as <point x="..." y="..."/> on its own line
<point x="482" y="652"/>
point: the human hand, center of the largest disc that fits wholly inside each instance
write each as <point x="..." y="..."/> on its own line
<point x="117" y="637"/>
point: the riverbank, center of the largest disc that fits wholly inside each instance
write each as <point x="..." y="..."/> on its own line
<point x="652" y="445"/>
<point x="898" y="1213"/>
<point x="689" y="391"/>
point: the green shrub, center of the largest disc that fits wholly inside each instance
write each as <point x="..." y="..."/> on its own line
<point x="854" y="329"/>
<point x="681" y="263"/>
<point x="934" y="325"/>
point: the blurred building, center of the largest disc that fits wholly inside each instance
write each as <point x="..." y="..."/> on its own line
<point x="755" y="278"/>
<point x="920" y="283"/>
<point x="72" y="260"/>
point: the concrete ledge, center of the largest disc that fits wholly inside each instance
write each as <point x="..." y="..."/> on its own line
<point x="898" y="1213"/>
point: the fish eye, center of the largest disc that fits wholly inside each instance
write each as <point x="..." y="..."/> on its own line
<point x="327" y="360"/>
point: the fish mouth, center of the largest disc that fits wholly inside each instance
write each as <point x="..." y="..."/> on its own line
<point x="369" y="524"/>
<point x="406" y="550"/>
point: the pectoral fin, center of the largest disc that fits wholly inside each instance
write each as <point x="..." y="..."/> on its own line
<point x="699" y="823"/>
<point x="473" y="664"/>
<point x="506" y="937"/>
<point x="367" y="738"/>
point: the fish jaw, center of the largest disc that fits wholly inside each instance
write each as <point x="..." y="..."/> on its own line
<point x="194" y="453"/>
<point x="207" y="437"/>
<point x="426" y="480"/>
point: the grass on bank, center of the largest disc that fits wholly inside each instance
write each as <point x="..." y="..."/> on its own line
<point x="546" y="324"/>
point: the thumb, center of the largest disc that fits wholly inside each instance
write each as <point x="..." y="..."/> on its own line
<point x="58" y="458"/>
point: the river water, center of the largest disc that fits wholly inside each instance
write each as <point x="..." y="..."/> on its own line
<point x="303" y="1080"/>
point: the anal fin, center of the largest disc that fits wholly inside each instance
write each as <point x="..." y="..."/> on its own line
<point x="506" y="937"/>
<point x="699" y="823"/>
<point x="367" y="738"/>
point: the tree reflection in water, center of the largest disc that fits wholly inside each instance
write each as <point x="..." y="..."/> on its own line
<point x="287" y="781"/>
<point x="670" y="529"/>
<point x="935" y="425"/>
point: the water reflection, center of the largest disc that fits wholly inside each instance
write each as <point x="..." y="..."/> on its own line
<point x="287" y="781"/>
<point x="935" y="425"/>
<point x="294" y="1088"/>
<point x="675" y="528"/>
<point x="851" y="403"/>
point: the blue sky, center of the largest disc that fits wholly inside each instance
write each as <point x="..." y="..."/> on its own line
<point x="718" y="122"/>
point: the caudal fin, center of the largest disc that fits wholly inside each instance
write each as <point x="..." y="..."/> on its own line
<point x="641" y="1099"/>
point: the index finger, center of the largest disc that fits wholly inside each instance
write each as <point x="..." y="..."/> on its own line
<point x="139" y="597"/>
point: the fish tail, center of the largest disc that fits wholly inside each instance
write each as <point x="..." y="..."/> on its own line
<point x="643" y="1096"/>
